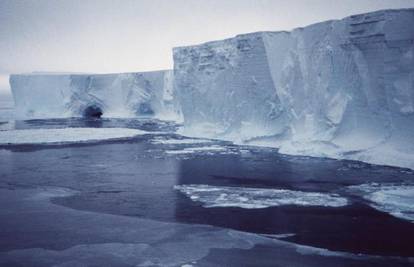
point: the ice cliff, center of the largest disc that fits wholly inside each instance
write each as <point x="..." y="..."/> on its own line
<point x="342" y="88"/>
<point x="48" y="95"/>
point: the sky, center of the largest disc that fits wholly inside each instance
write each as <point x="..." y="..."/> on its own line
<point x="125" y="36"/>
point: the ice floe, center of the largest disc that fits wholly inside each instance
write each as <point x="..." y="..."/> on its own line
<point x="179" y="141"/>
<point x="202" y="149"/>
<point x="65" y="135"/>
<point x="397" y="200"/>
<point x="257" y="198"/>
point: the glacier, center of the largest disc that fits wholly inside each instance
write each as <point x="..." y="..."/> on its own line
<point x="340" y="89"/>
<point x="55" y="95"/>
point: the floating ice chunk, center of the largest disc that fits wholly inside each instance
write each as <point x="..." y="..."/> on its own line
<point x="208" y="149"/>
<point x="397" y="200"/>
<point x="179" y="141"/>
<point x="182" y="151"/>
<point x="65" y="135"/>
<point x="279" y="236"/>
<point x="257" y="198"/>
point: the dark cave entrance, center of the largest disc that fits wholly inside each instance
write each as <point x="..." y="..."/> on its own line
<point x="92" y="112"/>
<point x="145" y="109"/>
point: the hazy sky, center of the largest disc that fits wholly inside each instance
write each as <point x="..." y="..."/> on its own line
<point x="123" y="35"/>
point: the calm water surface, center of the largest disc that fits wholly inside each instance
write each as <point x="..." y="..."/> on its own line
<point x="137" y="178"/>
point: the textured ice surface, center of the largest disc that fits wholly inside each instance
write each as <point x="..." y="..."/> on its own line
<point x="115" y="95"/>
<point x="257" y="198"/>
<point x="397" y="200"/>
<point x="6" y="108"/>
<point x="341" y="88"/>
<point x="99" y="239"/>
<point x="65" y="135"/>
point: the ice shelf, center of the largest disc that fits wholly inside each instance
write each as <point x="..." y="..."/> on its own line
<point x="340" y="89"/>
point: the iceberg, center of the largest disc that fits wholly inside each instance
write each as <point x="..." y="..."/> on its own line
<point x="340" y="89"/>
<point x="49" y="95"/>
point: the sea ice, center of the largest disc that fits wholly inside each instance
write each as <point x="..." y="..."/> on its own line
<point x="257" y="198"/>
<point x="397" y="200"/>
<point x="202" y="149"/>
<point x="65" y="135"/>
<point x="187" y="141"/>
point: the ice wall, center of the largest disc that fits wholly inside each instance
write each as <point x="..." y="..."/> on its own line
<point x="73" y="95"/>
<point x="342" y="89"/>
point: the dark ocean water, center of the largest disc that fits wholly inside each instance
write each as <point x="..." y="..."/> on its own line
<point x="136" y="178"/>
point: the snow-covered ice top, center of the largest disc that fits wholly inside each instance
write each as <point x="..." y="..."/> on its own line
<point x="341" y="88"/>
<point x="47" y="95"/>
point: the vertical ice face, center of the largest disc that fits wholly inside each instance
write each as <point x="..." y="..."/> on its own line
<point x="340" y="88"/>
<point x="33" y="100"/>
<point x="113" y="95"/>
<point x="171" y="108"/>
<point x="228" y="85"/>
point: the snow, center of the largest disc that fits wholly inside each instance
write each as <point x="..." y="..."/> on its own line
<point x="257" y="198"/>
<point x="397" y="200"/>
<point x="340" y="89"/>
<point x="47" y="95"/>
<point x="65" y="135"/>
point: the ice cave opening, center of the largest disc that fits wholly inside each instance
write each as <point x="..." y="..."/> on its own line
<point x="92" y="112"/>
<point x="145" y="109"/>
